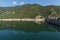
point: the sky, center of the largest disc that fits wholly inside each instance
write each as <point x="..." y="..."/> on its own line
<point x="8" y="3"/>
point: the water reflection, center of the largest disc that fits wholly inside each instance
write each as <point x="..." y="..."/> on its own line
<point x="20" y="35"/>
<point x="26" y="26"/>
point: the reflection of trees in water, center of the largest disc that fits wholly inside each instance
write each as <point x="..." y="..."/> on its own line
<point x="38" y="22"/>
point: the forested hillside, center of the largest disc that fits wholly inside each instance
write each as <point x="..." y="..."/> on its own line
<point x="29" y="11"/>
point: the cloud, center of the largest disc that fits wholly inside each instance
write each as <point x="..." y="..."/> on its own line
<point x="22" y="3"/>
<point x="14" y="2"/>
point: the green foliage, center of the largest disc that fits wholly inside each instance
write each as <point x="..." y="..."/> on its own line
<point x="29" y="11"/>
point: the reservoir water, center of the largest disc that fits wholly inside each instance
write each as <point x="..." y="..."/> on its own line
<point x="18" y="30"/>
<point x="20" y="35"/>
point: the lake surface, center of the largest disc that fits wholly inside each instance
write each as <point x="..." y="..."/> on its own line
<point x="20" y="35"/>
<point x="18" y="30"/>
<point x="26" y="26"/>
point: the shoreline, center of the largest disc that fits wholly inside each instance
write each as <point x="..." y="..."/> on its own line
<point x="22" y="19"/>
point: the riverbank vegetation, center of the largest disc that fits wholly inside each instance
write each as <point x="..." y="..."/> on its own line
<point x="31" y="11"/>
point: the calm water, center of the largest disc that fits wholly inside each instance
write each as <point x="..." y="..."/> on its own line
<point x="26" y="26"/>
<point x="16" y="30"/>
<point x="20" y="35"/>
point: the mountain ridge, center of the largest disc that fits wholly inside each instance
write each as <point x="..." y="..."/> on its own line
<point x="29" y="11"/>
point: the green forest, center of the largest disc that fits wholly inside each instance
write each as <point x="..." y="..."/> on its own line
<point x="29" y="11"/>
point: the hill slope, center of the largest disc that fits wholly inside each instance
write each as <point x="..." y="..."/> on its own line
<point x="29" y="11"/>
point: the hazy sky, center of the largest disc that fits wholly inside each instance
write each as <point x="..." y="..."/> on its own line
<point x="21" y="2"/>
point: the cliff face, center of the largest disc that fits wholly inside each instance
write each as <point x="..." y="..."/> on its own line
<point x="53" y="21"/>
